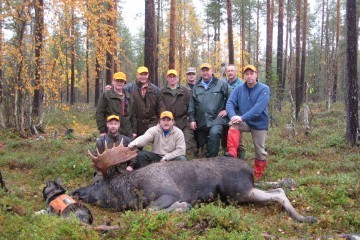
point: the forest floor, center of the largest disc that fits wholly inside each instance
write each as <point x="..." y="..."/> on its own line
<point x="325" y="169"/>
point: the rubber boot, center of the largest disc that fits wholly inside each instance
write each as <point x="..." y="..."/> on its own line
<point x="233" y="140"/>
<point x="241" y="151"/>
<point x="259" y="168"/>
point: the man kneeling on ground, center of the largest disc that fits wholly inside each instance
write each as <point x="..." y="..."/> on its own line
<point x="168" y="142"/>
<point x="113" y="138"/>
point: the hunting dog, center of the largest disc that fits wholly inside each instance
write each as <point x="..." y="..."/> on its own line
<point x="62" y="204"/>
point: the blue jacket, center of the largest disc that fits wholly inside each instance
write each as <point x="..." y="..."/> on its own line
<point x="252" y="108"/>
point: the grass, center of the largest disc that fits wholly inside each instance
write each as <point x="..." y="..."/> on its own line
<point x="324" y="167"/>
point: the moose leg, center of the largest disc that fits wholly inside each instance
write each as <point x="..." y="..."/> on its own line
<point x="278" y="195"/>
<point x="163" y="202"/>
<point x="179" y="206"/>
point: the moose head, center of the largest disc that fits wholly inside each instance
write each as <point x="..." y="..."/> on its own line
<point x="111" y="157"/>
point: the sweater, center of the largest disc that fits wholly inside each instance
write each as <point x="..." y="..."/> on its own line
<point x="170" y="146"/>
<point x="251" y="107"/>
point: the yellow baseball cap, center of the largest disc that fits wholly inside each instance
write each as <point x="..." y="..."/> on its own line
<point x="142" y="70"/>
<point x="120" y="76"/>
<point x="172" y="71"/>
<point x="111" y="117"/>
<point x="251" y="67"/>
<point x="205" y="65"/>
<point x="167" y="114"/>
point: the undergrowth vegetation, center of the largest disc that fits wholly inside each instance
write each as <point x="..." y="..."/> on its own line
<point x="324" y="167"/>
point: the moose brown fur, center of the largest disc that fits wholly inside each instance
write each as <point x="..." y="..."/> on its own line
<point x="178" y="184"/>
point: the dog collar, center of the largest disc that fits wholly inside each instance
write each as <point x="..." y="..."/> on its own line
<point x="61" y="202"/>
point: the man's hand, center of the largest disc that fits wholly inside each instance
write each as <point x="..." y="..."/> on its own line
<point x="222" y="113"/>
<point x="129" y="168"/>
<point x="132" y="145"/>
<point x="236" y="120"/>
<point x="102" y="134"/>
<point x="163" y="160"/>
<point x="193" y="125"/>
<point x="107" y="87"/>
<point x="134" y="135"/>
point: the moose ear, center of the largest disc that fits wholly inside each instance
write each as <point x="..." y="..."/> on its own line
<point x="58" y="180"/>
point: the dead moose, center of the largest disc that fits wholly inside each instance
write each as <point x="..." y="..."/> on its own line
<point x="176" y="185"/>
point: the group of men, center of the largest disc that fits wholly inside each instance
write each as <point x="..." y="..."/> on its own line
<point x="177" y="118"/>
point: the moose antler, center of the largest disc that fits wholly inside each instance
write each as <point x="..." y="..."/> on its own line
<point x="111" y="157"/>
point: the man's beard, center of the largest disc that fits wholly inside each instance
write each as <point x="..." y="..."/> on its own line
<point x="113" y="131"/>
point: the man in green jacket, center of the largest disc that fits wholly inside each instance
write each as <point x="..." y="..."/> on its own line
<point x="118" y="102"/>
<point x="176" y="98"/>
<point x="146" y="97"/>
<point x="207" y="109"/>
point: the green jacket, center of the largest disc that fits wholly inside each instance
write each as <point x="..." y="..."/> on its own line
<point x="205" y="104"/>
<point x="147" y="108"/>
<point x="111" y="103"/>
<point x="177" y="103"/>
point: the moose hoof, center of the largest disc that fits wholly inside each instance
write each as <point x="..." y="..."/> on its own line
<point x="310" y="219"/>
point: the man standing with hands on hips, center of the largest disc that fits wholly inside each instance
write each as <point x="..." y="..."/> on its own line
<point x="251" y="99"/>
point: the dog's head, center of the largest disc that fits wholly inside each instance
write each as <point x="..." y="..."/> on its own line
<point x="53" y="189"/>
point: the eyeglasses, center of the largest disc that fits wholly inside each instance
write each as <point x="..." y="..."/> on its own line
<point x="191" y="73"/>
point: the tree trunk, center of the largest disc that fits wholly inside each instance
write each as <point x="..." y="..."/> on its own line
<point x="39" y="28"/>
<point x="257" y="33"/>
<point x="2" y="122"/>
<point x="230" y="31"/>
<point x="326" y="59"/>
<point x="72" y="64"/>
<point x="114" y="39"/>
<point x="336" y="58"/>
<point x="297" y="92"/>
<point x="303" y="54"/>
<point x="87" y="64"/>
<point x="110" y="47"/>
<point x="352" y="103"/>
<point x="172" y="34"/>
<point x="97" y="66"/>
<point x="269" y="34"/>
<point x="243" y="19"/>
<point x="288" y="29"/>
<point x="279" y="53"/>
<point x="150" y="52"/>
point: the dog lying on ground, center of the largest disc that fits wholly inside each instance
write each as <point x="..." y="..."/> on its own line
<point x="62" y="204"/>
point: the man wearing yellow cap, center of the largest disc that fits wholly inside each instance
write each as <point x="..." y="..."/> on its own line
<point x="207" y="109"/>
<point x="146" y="96"/>
<point x="113" y="137"/>
<point x="117" y="102"/>
<point x="167" y="141"/>
<point x="247" y="110"/>
<point x="175" y="98"/>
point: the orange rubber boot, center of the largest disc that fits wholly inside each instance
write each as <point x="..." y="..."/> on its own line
<point x="233" y="140"/>
<point x="259" y="168"/>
